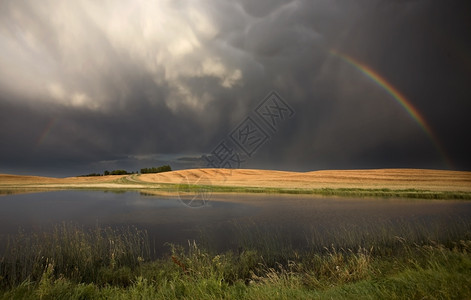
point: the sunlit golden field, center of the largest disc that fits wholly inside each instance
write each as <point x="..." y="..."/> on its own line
<point x="394" y="179"/>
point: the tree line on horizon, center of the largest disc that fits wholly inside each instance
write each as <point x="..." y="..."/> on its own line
<point x="164" y="168"/>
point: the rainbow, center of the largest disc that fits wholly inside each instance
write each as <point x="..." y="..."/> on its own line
<point x="46" y="131"/>
<point x="400" y="98"/>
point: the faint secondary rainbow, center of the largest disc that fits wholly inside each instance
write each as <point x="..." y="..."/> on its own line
<point x="46" y="131"/>
<point x="401" y="99"/>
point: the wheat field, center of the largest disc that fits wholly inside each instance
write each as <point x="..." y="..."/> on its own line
<point x="395" y="179"/>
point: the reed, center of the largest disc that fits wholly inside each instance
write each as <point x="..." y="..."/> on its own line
<point x="72" y="262"/>
<point x="73" y="252"/>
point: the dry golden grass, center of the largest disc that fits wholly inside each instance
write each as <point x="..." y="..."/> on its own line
<point x="434" y="180"/>
<point x="27" y="180"/>
<point x="19" y="184"/>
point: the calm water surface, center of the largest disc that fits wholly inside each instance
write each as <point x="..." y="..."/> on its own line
<point x="229" y="218"/>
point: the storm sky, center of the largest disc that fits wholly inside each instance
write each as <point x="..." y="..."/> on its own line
<point x="87" y="86"/>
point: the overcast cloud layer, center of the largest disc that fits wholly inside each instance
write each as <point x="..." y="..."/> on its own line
<point x="92" y="85"/>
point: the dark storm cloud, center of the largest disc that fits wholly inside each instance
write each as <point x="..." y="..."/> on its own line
<point x="88" y="86"/>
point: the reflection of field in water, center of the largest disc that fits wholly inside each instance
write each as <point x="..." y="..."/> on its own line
<point x="277" y="222"/>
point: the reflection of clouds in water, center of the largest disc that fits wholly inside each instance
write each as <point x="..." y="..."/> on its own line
<point x="234" y="219"/>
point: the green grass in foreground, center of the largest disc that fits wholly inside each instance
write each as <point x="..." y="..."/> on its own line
<point x="72" y="263"/>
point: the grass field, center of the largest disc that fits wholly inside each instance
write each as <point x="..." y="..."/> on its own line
<point x="408" y="183"/>
<point x="102" y="263"/>
<point x="71" y="262"/>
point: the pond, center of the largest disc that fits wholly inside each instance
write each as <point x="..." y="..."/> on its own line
<point x="232" y="220"/>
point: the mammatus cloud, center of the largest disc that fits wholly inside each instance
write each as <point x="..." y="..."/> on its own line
<point x="92" y="84"/>
<point x="79" y="53"/>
